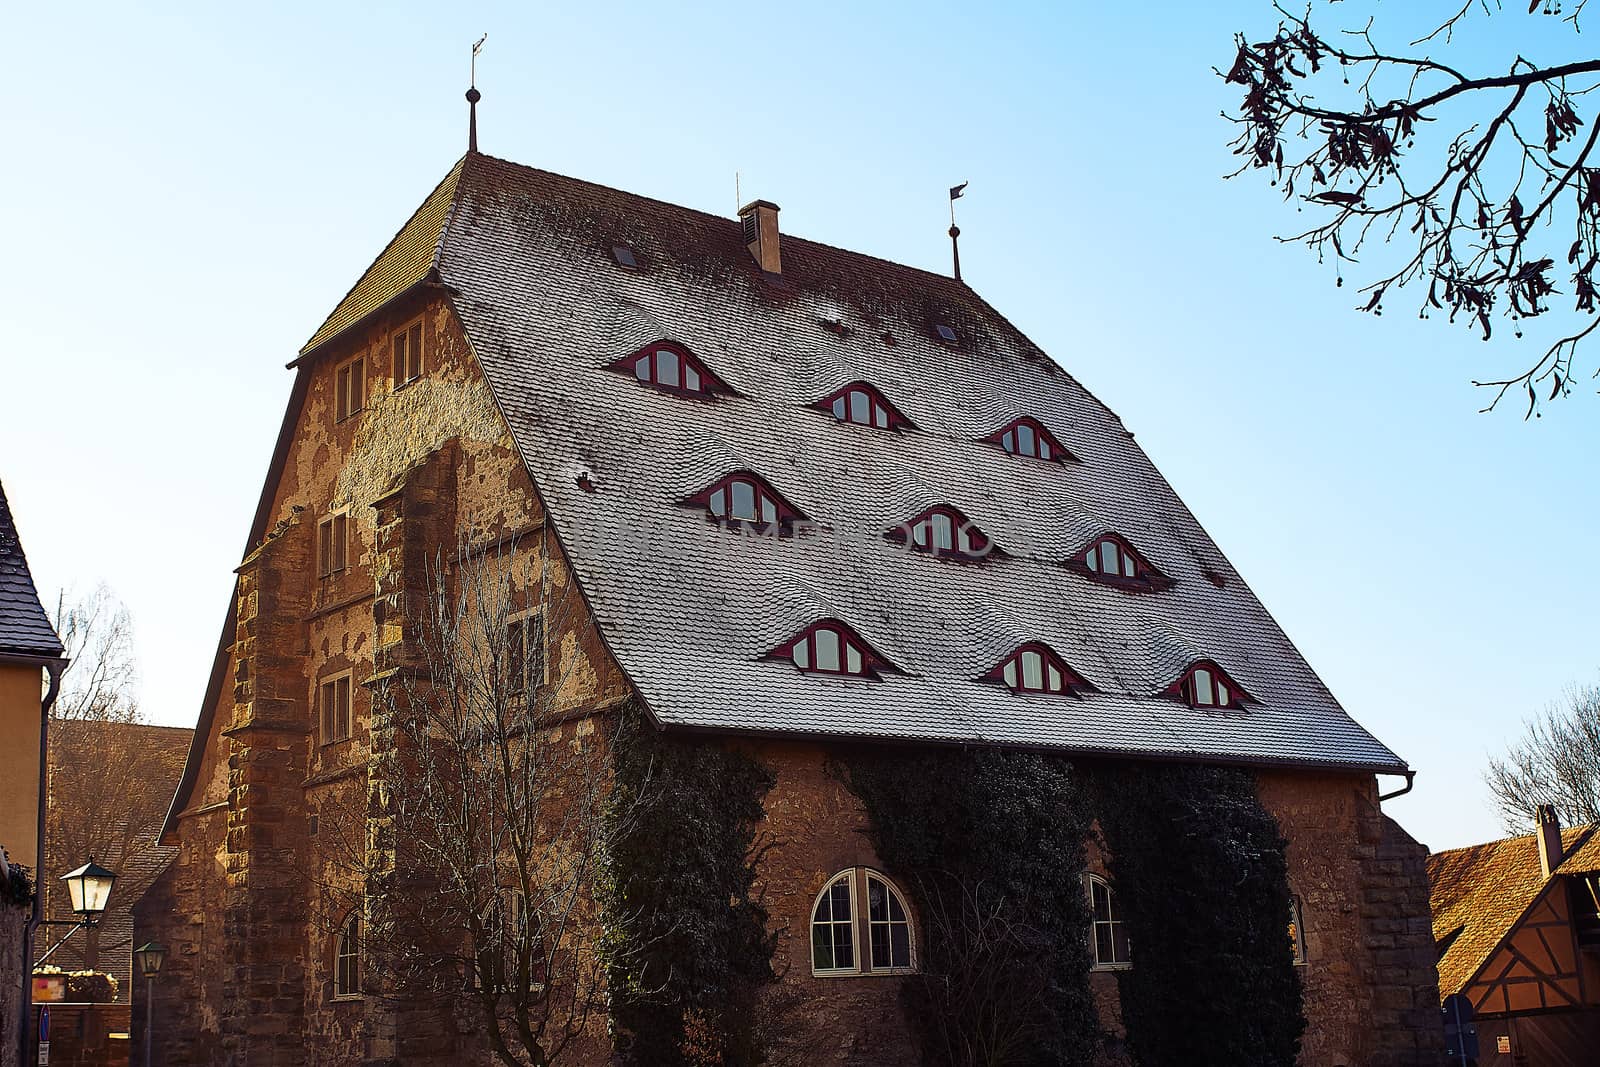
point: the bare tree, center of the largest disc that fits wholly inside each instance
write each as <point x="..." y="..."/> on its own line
<point x="108" y="785"/>
<point x="1484" y="182"/>
<point x="489" y="810"/>
<point x="1557" y="761"/>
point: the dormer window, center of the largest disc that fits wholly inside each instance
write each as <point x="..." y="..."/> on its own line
<point x="946" y="333"/>
<point x="944" y="531"/>
<point x="1111" y="560"/>
<point x="1028" y="437"/>
<point x="1034" y="668"/>
<point x="668" y="365"/>
<point x="745" y="497"/>
<point x="1206" y="685"/>
<point x="863" y="405"/>
<point x="831" y="647"/>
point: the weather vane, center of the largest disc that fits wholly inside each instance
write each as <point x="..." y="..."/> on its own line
<point x="473" y="96"/>
<point x="955" y="231"/>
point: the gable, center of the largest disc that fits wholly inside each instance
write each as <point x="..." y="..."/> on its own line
<point x="1535" y="967"/>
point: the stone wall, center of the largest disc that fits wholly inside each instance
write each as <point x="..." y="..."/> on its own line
<point x="13" y="924"/>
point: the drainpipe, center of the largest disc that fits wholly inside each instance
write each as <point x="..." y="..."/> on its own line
<point x="25" y="1031"/>
<point x="1411" y="778"/>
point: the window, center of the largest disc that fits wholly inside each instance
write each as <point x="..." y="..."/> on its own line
<point x="1107" y="934"/>
<point x="831" y="647"/>
<point x="525" y="653"/>
<point x="1297" y="930"/>
<point x="836" y="920"/>
<point x="333" y="540"/>
<point x="863" y="405"/>
<point x="347" y="958"/>
<point x="407" y="344"/>
<point x="668" y="365"/>
<point x="943" y="531"/>
<point x="1034" y="668"/>
<point x="1028" y="437"/>
<point x="499" y="950"/>
<point x="334" y="701"/>
<point x="1110" y="560"/>
<point x="745" y="497"/>
<point x="624" y="257"/>
<point x="349" y="388"/>
<point x="1205" y="685"/>
<point x="945" y="333"/>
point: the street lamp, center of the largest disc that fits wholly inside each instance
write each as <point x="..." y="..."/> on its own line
<point x="90" y="888"/>
<point x="148" y="957"/>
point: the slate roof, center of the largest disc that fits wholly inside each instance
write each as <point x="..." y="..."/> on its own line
<point x="691" y="610"/>
<point x="1479" y="893"/>
<point x="25" y="629"/>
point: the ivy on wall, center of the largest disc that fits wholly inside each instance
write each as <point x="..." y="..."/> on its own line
<point x="689" y="946"/>
<point x="1197" y="866"/>
<point x="15" y="887"/>
<point x="990" y="845"/>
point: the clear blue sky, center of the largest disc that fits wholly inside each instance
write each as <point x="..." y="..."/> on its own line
<point x="190" y="191"/>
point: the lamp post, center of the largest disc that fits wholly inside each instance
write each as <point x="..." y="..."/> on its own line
<point x="148" y="957"/>
<point x="90" y="888"/>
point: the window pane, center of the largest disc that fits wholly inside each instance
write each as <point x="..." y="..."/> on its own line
<point x="719" y="503"/>
<point x="860" y="407"/>
<point x="877" y="901"/>
<point x="1127" y="566"/>
<point x="414" y="352"/>
<point x="838" y="408"/>
<point x="880" y="946"/>
<point x="802" y="655"/>
<point x="827" y="650"/>
<point x="1203" y="691"/>
<point x="667" y="367"/>
<point x="1119" y="944"/>
<point x="1103" y="951"/>
<point x="840" y="892"/>
<point x="1110" y="561"/>
<point x="1093" y="559"/>
<point x="1010" y="673"/>
<point x="943" y="533"/>
<point x="919" y="534"/>
<point x="1102" y="900"/>
<point x="1055" y="680"/>
<point x="1025" y="444"/>
<point x="1224" y="698"/>
<point x="769" y="509"/>
<point x="852" y="658"/>
<point x="1032" y="670"/>
<point x="901" y="935"/>
<point x="1009" y="442"/>
<point x="821" y="947"/>
<point x="880" y="416"/>
<point x="641" y="368"/>
<point x="691" y="378"/>
<point x="844" y="952"/>
<point x="1044" y="449"/>
<point x="744" y="500"/>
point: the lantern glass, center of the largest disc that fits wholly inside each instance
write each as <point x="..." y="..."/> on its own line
<point x="149" y="957"/>
<point x="90" y="889"/>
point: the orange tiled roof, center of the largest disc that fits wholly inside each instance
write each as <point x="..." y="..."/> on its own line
<point x="1478" y="894"/>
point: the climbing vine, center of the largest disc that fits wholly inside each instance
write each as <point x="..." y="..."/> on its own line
<point x="1198" y="870"/>
<point x="15" y="887"/>
<point x="688" y="944"/>
<point x="990" y="844"/>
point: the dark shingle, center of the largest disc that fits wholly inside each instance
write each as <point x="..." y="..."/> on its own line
<point x="25" y="629"/>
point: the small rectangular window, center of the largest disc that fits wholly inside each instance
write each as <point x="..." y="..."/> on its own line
<point x="407" y="346"/>
<point x="333" y="539"/>
<point x="334" y="701"/>
<point x="525" y="653"/>
<point x="349" y="389"/>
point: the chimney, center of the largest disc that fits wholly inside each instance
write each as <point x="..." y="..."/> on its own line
<point x="760" y="218"/>
<point x="1548" y="836"/>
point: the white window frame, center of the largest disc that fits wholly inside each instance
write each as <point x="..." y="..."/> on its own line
<point x="340" y="939"/>
<point x="348" y="677"/>
<point x="860" y="925"/>
<point x="341" y="394"/>
<point x="416" y="358"/>
<point x="1089" y="882"/>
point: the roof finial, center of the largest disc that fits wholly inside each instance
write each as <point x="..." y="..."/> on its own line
<point x="473" y="96"/>
<point x="955" y="231"/>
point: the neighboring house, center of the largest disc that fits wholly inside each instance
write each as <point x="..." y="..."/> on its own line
<point x="108" y="786"/>
<point x="639" y="389"/>
<point x="1517" y="924"/>
<point x="30" y="671"/>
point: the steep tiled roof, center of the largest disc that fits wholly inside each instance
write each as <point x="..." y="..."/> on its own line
<point x="406" y="260"/>
<point x="691" y="610"/>
<point x="25" y="629"/>
<point x="1479" y="892"/>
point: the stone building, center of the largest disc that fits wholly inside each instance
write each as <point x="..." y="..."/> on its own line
<point x="808" y="496"/>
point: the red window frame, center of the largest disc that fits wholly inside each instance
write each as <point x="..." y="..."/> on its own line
<point x="1040" y="437"/>
<point x="1145" y="578"/>
<point x="880" y="414"/>
<point x="1010" y="672"/>
<point x="684" y="373"/>
<point x="807" y="653"/>
<point x="1189" y="688"/>
<point x="968" y="542"/>
<point x="719" y="497"/>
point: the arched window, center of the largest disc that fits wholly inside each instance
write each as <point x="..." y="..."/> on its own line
<point x="347" y="957"/>
<point x="943" y="531"/>
<point x="669" y="365"/>
<point x="1107" y="934"/>
<point x="1028" y="437"/>
<point x="831" y="647"/>
<point x="1112" y="560"/>
<point x="1297" y="929"/>
<point x="1206" y="685"/>
<point x="745" y="498"/>
<point x="864" y="405"/>
<point x="838" y="916"/>
<point x="1034" y="668"/>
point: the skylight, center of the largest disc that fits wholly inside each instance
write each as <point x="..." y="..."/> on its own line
<point x="624" y="257"/>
